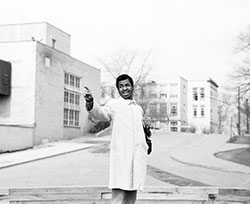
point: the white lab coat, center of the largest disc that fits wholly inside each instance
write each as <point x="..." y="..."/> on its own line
<point x="128" y="148"/>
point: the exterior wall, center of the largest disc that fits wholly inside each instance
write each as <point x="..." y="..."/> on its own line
<point x="203" y="123"/>
<point x="62" y="39"/>
<point x="50" y="94"/>
<point x="183" y="101"/>
<point x="17" y="110"/>
<point x="15" y="138"/>
<point x="214" y="109"/>
<point x="43" y="32"/>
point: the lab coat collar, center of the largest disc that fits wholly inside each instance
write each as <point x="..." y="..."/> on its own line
<point x="128" y="101"/>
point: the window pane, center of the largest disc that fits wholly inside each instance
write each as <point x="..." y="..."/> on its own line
<point x="77" y="82"/>
<point x="152" y="110"/>
<point x="72" y="80"/>
<point x="173" y="109"/>
<point x="202" y="111"/>
<point x="195" y="94"/>
<point x="77" y="99"/>
<point x="71" y="117"/>
<point x="66" y="78"/>
<point x="202" y="93"/>
<point x="71" y="98"/>
<point x="77" y="118"/>
<point x="163" y="109"/>
<point x="66" y="96"/>
<point x="195" y="111"/>
<point x="65" y="116"/>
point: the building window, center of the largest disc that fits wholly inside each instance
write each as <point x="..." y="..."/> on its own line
<point x="173" y="109"/>
<point x="71" y="108"/>
<point x="195" y="94"/>
<point x="71" y="101"/>
<point x="152" y="96"/>
<point x="71" y="117"/>
<point x="163" y="110"/>
<point x="66" y="97"/>
<point x="195" y="111"/>
<point x="202" y="93"/>
<point x="66" y="78"/>
<point x="71" y="98"/>
<point x="72" y="80"/>
<point x="65" y="117"/>
<point x="152" y="110"/>
<point x="77" y="113"/>
<point x="162" y="95"/>
<point x="77" y="99"/>
<point x="77" y="82"/>
<point x="202" y="111"/>
<point x="173" y="126"/>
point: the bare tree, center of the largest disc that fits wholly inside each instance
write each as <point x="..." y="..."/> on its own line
<point x="241" y="74"/>
<point x="224" y="104"/>
<point x="133" y="62"/>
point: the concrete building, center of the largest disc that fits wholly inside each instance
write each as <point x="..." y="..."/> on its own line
<point x="202" y="105"/>
<point x="166" y="103"/>
<point x="45" y="103"/>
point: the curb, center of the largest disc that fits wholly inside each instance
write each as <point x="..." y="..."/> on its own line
<point x="43" y="157"/>
<point x="208" y="167"/>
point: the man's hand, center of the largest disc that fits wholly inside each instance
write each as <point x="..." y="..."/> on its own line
<point x="88" y="98"/>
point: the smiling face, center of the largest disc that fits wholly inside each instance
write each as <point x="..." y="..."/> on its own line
<point x="125" y="89"/>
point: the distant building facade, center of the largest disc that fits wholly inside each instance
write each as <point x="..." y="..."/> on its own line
<point x="202" y="105"/>
<point x="45" y="103"/>
<point x="179" y="104"/>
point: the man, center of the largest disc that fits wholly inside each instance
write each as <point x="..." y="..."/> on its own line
<point x="128" y="148"/>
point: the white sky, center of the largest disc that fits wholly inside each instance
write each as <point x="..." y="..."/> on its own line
<point x="190" y="38"/>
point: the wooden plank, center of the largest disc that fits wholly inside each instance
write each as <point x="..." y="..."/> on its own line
<point x="57" y="197"/>
<point x="187" y="190"/>
<point x="234" y="191"/>
<point x="108" y="202"/>
<point x="232" y="198"/>
<point x="58" y="190"/>
<point x="165" y="196"/>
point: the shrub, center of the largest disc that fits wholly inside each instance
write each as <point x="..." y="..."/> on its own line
<point x="192" y="129"/>
<point x="185" y="129"/>
<point x="99" y="126"/>
<point x="205" y="131"/>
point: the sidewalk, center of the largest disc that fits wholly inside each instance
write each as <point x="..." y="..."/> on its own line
<point x="202" y="152"/>
<point x="44" y="151"/>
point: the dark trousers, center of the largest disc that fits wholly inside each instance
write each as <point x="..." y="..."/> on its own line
<point x="120" y="196"/>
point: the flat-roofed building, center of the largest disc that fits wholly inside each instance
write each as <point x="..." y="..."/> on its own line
<point x="45" y="103"/>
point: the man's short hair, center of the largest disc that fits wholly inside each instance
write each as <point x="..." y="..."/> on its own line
<point x="124" y="77"/>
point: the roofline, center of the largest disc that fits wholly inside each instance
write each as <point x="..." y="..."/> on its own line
<point x="212" y="82"/>
<point x="13" y="24"/>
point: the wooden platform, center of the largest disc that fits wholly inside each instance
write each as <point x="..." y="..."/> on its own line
<point x="102" y="195"/>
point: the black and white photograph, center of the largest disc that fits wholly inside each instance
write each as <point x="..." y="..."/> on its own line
<point x="124" y="102"/>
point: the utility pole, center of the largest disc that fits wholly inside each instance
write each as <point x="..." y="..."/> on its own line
<point x="239" y="131"/>
<point x="247" y="115"/>
<point x="231" y="129"/>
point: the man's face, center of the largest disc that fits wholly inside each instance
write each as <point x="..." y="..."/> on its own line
<point x="125" y="89"/>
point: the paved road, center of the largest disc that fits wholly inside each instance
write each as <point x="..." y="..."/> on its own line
<point x="166" y="144"/>
<point x="90" y="167"/>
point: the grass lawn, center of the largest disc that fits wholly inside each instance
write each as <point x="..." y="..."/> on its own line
<point x="241" y="156"/>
